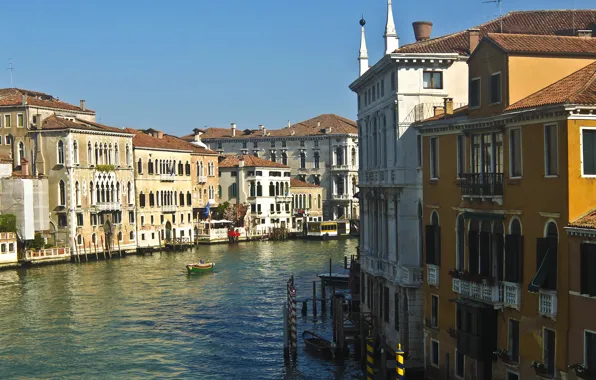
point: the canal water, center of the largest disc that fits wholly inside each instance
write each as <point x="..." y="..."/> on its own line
<point x="144" y="317"/>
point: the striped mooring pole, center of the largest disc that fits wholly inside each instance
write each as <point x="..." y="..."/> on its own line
<point x="399" y="365"/>
<point x="293" y="332"/>
<point x="370" y="361"/>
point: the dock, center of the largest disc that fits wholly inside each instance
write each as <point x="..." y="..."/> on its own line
<point x="338" y="279"/>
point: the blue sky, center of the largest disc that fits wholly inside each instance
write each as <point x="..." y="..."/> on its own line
<point x="177" y="65"/>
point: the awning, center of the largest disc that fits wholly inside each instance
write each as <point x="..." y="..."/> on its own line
<point x="483" y="215"/>
<point x="542" y="272"/>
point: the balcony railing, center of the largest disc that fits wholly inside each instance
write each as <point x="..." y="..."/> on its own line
<point x="432" y="274"/>
<point x="481" y="184"/>
<point x="167" y="177"/>
<point x="481" y="291"/>
<point x="202" y="178"/>
<point x="511" y="294"/>
<point x="341" y="197"/>
<point x="341" y="167"/>
<point x="169" y="208"/>
<point x="283" y="198"/>
<point x="108" y="206"/>
<point x="547" y="304"/>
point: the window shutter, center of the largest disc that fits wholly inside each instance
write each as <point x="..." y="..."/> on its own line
<point x="500" y="245"/>
<point x="510" y="258"/>
<point x="437" y="245"/>
<point x="485" y="263"/>
<point x="520" y="258"/>
<point x="473" y="251"/>
<point x="584" y="264"/>
<point x="430" y="244"/>
<point x="552" y="258"/>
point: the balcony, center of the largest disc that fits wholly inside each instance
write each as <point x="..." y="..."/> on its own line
<point x="167" y="177"/>
<point x="169" y="208"/>
<point x="340" y="168"/>
<point x="484" y="292"/>
<point x="202" y="179"/>
<point x="547" y="303"/>
<point x="481" y="185"/>
<point x="108" y="206"/>
<point x="341" y="197"/>
<point x="410" y="277"/>
<point x="432" y="274"/>
<point x="511" y="295"/>
<point x="283" y="198"/>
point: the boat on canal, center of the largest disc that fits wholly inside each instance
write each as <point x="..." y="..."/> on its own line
<point x="200" y="267"/>
<point x="328" y="230"/>
<point x="317" y="345"/>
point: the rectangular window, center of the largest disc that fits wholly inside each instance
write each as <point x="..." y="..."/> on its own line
<point x="131" y="217"/>
<point x="434" y="159"/>
<point x="20" y="120"/>
<point x="515" y="152"/>
<point x="80" y="220"/>
<point x="461" y="155"/>
<point x="434" y="311"/>
<point x="7" y="121"/>
<point x="94" y="219"/>
<point x="460" y="364"/>
<point x="234" y="174"/>
<point x="513" y="347"/>
<point x="590" y="350"/>
<point x="548" y="347"/>
<point x="142" y="236"/>
<point x="219" y="146"/>
<point x="395" y="310"/>
<point x="495" y="88"/>
<point x="161" y="219"/>
<point x="301" y="142"/>
<point x="432" y="79"/>
<point x="255" y="145"/>
<point x="284" y="144"/>
<point x="142" y="220"/>
<point x="474" y="100"/>
<point x="244" y="145"/>
<point x="550" y="150"/>
<point x="588" y="151"/>
<point x="434" y="353"/>
<point x="392" y="81"/>
<point x="382" y="87"/>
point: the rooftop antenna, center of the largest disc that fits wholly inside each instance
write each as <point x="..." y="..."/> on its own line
<point x="500" y="11"/>
<point x="10" y="69"/>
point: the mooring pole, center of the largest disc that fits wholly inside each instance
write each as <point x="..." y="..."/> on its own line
<point x="323" y="297"/>
<point x="345" y="262"/>
<point x="293" y="332"/>
<point x="314" y="298"/>
<point x="286" y="335"/>
<point x="399" y="365"/>
<point x="370" y="361"/>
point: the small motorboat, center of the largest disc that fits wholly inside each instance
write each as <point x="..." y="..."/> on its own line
<point x="317" y="345"/>
<point x="200" y="267"/>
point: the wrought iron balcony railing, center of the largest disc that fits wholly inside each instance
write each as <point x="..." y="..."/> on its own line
<point x="481" y="184"/>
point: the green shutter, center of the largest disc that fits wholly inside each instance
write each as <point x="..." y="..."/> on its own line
<point x="588" y="147"/>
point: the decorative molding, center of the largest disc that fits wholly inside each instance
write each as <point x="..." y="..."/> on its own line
<point x="432" y="207"/>
<point x="554" y="215"/>
<point x="499" y="212"/>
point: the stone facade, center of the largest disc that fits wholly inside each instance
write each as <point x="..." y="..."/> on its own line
<point x="306" y="203"/>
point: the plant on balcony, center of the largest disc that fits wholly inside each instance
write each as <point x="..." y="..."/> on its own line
<point x="501" y="354"/>
<point x="105" y="168"/>
<point x="540" y="368"/>
<point x="582" y="371"/>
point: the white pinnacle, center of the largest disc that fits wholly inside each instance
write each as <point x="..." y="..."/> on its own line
<point x="363" y="56"/>
<point x="391" y="40"/>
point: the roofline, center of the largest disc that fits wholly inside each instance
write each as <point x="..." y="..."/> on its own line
<point x="214" y="139"/>
<point x="78" y="130"/>
<point x="529" y="54"/>
<point x="90" y="112"/>
<point x="162" y="149"/>
<point x="256" y="166"/>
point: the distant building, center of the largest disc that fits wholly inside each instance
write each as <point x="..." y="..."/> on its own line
<point x="263" y="185"/>
<point x="322" y="151"/>
<point x="306" y="203"/>
<point x="8" y="249"/>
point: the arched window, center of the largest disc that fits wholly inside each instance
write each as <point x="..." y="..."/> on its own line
<point x="120" y="236"/>
<point x="60" y="152"/>
<point x="61" y="193"/>
<point x="339" y="185"/>
<point x="91" y="193"/>
<point x="302" y="160"/>
<point x="273" y="157"/>
<point x="89" y="153"/>
<point x="180" y="168"/>
<point x="140" y="166"/>
<point x="354" y="157"/>
<point x="433" y="240"/>
<point x="319" y="201"/>
<point x="117" y="192"/>
<point x="277" y="188"/>
<point x="149" y="166"/>
<point x="129" y="194"/>
<point x="128" y="156"/>
<point x="116" y="155"/>
<point x="97" y="153"/>
<point x="271" y="189"/>
<point x="78" y="193"/>
<point x="309" y="201"/>
<point x="339" y="155"/>
<point x="253" y="192"/>
<point x="188" y="199"/>
<point x="75" y="148"/>
<point x="131" y="235"/>
<point x="187" y="168"/>
<point x="106" y="154"/>
<point x="110" y="153"/>
<point x="21" y="152"/>
<point x="515" y="227"/>
<point x="98" y="192"/>
<point x="316" y="157"/>
<point x="79" y="240"/>
<point x="284" y="158"/>
<point x="460" y="231"/>
<point x="551" y="230"/>
<point x="181" y="197"/>
<point x="259" y="189"/>
<point x="219" y="194"/>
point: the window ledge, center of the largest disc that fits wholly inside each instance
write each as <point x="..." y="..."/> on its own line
<point x="551" y="176"/>
<point x="495" y="103"/>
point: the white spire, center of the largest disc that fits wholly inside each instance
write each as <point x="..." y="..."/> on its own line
<point x="391" y="40"/>
<point x="363" y="56"/>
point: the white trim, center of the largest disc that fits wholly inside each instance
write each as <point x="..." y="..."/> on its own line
<point x="438" y="353"/>
<point x="4" y="120"/>
<point x="545" y="228"/>
<point x="581" y="151"/>
<point x="521" y="155"/>
<point x="479" y="79"/>
<point x="520" y="225"/>
<point x="24" y="123"/>
<point x="431" y="217"/>
<point x="455" y="367"/>
<point x="556" y="134"/>
<point x="500" y="90"/>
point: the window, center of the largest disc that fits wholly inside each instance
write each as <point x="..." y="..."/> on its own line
<point x="474" y="100"/>
<point x="434" y="353"/>
<point x="434" y="311"/>
<point x="434" y="159"/>
<point x="20" y="121"/>
<point x="590" y="350"/>
<point x="284" y="158"/>
<point x="494" y="88"/>
<point x="432" y="80"/>
<point x="61" y="193"/>
<point x="460" y="364"/>
<point x="548" y="351"/>
<point x="515" y="152"/>
<point x="94" y="219"/>
<point x="386" y="304"/>
<point x="588" y="151"/>
<point x="131" y="217"/>
<point x="62" y="221"/>
<point x="433" y="241"/>
<point x="392" y="81"/>
<point x="460" y="248"/>
<point x="550" y="150"/>
<point x="140" y="166"/>
<point x="60" y="152"/>
<point x="512" y="376"/>
<point x="513" y="345"/>
<point x="382" y="87"/>
<point x="80" y="220"/>
<point x="461" y="155"/>
<point x="21" y="152"/>
<point x="302" y="160"/>
<point x="514" y="256"/>
<point x="7" y="121"/>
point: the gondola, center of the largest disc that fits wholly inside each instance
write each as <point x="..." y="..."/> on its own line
<point x="317" y="345"/>
<point x="200" y="267"/>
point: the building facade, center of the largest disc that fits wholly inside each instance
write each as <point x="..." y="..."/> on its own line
<point x="322" y="151"/>
<point x="261" y="184"/>
<point x="307" y="203"/>
<point x="502" y="178"/>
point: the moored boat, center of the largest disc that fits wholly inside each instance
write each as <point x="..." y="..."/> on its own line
<point x="317" y="345"/>
<point x="200" y="267"/>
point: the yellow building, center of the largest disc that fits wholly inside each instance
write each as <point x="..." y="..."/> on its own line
<point x="502" y="178"/>
<point x="204" y="175"/>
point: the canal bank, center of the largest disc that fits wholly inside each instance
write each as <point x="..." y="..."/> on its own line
<point x="144" y="317"/>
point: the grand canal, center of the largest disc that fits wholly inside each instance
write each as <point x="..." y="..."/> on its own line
<point x="144" y="317"/>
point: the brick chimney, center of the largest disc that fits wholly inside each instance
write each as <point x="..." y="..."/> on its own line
<point x="24" y="167"/>
<point x="233" y="125"/>
<point x="473" y="39"/>
<point x="448" y="106"/>
<point x="82" y="106"/>
<point x="159" y="134"/>
<point x="438" y="110"/>
<point x="422" y="30"/>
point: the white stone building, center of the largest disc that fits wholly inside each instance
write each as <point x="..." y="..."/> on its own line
<point x="261" y="184"/>
<point x="322" y="151"/>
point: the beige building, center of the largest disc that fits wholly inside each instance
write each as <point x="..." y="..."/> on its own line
<point x="307" y="203"/>
<point x="204" y="163"/>
<point x="91" y="182"/>
<point x="164" y="186"/>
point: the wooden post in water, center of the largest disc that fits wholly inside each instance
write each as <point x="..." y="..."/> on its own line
<point x="159" y="238"/>
<point x="85" y="250"/>
<point x="345" y="262"/>
<point x="334" y="320"/>
<point x="314" y="298"/>
<point x="286" y="334"/>
<point x="323" y="296"/>
<point x="339" y="329"/>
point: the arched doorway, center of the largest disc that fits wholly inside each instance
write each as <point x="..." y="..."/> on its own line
<point x="168" y="231"/>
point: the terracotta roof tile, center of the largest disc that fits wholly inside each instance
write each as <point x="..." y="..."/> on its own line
<point x="586" y="221"/>
<point x="298" y="183"/>
<point x="249" y="161"/>
<point x="551" y="45"/>
<point x="54" y="123"/>
<point x="142" y="139"/>
<point x="550" y="22"/>
<point x="462" y="111"/>
<point x="14" y="97"/>
<point x="316" y="126"/>
<point x="577" y="88"/>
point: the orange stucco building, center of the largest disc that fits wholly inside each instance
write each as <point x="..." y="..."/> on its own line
<point x="502" y="179"/>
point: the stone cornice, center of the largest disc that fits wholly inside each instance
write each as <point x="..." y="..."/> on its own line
<point x="277" y="138"/>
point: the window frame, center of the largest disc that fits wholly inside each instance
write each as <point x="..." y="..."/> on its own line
<point x="509" y="340"/>
<point x="585" y="358"/>
<point x="432" y="311"/>
<point x="437" y="365"/>
<point x="581" y="150"/>
<point x="544" y="345"/>
<point x="461" y="154"/>
<point x="556" y="134"/>
<point x="433" y="156"/>
<point x="22" y="118"/>
<point x="470" y="106"/>
<point x="455" y="367"/>
<point x="432" y="79"/>
<point x="490" y="102"/>
<point x="521" y="156"/>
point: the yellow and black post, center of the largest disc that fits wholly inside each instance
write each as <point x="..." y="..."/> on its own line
<point x="399" y="363"/>
<point x="370" y="361"/>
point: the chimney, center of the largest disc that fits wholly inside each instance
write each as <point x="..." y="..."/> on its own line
<point x="422" y="30"/>
<point x="263" y="129"/>
<point x="473" y="39"/>
<point x="198" y="134"/>
<point x="438" y="110"/>
<point x="82" y="104"/>
<point x="233" y="129"/>
<point x="584" y="33"/>
<point x="241" y="162"/>
<point x="24" y="99"/>
<point x="159" y="134"/>
<point x="24" y="167"/>
<point x="448" y="106"/>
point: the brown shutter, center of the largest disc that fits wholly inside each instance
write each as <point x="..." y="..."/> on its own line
<point x="473" y="251"/>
